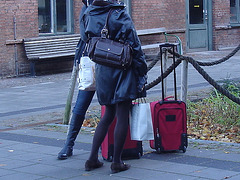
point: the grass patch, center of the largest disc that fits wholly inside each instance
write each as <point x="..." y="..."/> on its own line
<point x="216" y="117"/>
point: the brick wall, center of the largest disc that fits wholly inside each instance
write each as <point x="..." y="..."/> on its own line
<point x="223" y="34"/>
<point x="25" y="13"/>
<point x="169" y="14"/>
<point x="159" y="13"/>
<point x="77" y="4"/>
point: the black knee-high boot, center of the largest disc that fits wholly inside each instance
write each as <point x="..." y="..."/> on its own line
<point x="74" y="128"/>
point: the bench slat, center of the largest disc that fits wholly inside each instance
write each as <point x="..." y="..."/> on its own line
<point x="52" y="52"/>
<point x="150" y="31"/>
<point x="47" y="56"/>
<point x="51" y="41"/>
<point x="41" y="51"/>
<point x="152" y="46"/>
<point x="50" y="47"/>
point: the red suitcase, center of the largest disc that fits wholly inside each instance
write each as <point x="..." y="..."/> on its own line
<point x="132" y="149"/>
<point x="169" y="119"/>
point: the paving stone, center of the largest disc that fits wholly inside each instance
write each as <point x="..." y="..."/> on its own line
<point x="20" y="176"/>
<point x="213" y="173"/>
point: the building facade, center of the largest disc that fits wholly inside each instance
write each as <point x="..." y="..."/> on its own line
<point x="200" y="24"/>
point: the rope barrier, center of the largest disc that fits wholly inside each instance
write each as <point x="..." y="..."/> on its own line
<point x="212" y="82"/>
<point x="196" y="65"/>
<point x="214" y="62"/>
<point x="153" y="61"/>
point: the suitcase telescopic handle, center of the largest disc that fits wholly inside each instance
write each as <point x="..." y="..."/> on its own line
<point x="174" y="71"/>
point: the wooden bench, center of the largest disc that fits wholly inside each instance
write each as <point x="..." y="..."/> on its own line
<point x="49" y="47"/>
<point x="145" y="32"/>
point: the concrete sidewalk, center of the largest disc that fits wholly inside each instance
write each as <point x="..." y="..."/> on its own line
<point x="32" y="154"/>
<point x="30" y="138"/>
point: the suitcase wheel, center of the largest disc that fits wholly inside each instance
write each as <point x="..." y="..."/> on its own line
<point x="158" y="150"/>
<point x="110" y="158"/>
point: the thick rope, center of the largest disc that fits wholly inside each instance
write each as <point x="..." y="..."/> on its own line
<point x="196" y="65"/>
<point x="153" y="61"/>
<point x="214" y="62"/>
<point x="212" y="82"/>
<point x="222" y="59"/>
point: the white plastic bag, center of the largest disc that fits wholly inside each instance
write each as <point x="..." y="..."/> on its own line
<point x="86" y="78"/>
<point x="141" y="127"/>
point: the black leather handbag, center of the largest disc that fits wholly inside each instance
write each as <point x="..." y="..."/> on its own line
<point x="105" y="51"/>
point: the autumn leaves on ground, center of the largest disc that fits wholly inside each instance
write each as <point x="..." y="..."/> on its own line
<point x="216" y="118"/>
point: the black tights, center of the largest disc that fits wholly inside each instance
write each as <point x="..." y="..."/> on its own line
<point x="121" y="110"/>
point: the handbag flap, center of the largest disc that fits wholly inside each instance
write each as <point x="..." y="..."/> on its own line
<point x="110" y="46"/>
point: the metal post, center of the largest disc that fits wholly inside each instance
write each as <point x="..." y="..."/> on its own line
<point x="184" y="79"/>
<point x="15" y="46"/>
<point x="165" y="59"/>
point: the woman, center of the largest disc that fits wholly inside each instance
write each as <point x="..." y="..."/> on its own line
<point x="84" y="99"/>
<point x="115" y="88"/>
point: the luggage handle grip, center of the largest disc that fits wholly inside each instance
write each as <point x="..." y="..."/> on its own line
<point x="169" y="97"/>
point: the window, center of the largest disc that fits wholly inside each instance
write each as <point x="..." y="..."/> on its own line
<point x="235" y="11"/>
<point x="55" y="16"/>
<point x="196" y="12"/>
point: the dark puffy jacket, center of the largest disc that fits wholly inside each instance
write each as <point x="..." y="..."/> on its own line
<point x="115" y="85"/>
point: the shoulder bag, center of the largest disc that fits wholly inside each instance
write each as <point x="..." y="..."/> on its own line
<point x="105" y="51"/>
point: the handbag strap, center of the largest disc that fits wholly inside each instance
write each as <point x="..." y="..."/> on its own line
<point x="104" y="31"/>
<point x="85" y="50"/>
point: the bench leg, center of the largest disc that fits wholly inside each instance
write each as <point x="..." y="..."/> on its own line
<point x="32" y="68"/>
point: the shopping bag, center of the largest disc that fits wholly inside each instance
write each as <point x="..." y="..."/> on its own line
<point x="141" y="127"/>
<point x="86" y="79"/>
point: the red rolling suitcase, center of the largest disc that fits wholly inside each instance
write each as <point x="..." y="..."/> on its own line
<point x="169" y="119"/>
<point x="132" y="149"/>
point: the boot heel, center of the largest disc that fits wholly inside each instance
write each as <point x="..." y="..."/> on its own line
<point x="65" y="153"/>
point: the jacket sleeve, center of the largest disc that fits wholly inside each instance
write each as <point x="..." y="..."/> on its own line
<point x="81" y="44"/>
<point x="79" y="51"/>
<point x="82" y="24"/>
<point x="139" y="62"/>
